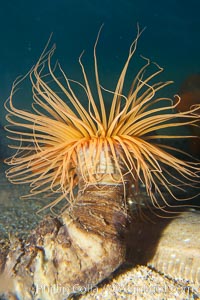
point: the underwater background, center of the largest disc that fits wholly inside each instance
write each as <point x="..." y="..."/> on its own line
<point x="171" y="38"/>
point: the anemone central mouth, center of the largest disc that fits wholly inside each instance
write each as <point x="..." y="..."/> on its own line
<point x="101" y="166"/>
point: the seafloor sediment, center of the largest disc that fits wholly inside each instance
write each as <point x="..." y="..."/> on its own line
<point x="136" y="279"/>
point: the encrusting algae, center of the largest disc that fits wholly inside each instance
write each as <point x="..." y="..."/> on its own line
<point x="94" y="160"/>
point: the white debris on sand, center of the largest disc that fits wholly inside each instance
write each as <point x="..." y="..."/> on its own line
<point x="141" y="282"/>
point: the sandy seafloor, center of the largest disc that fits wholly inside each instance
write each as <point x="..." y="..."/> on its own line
<point x="18" y="217"/>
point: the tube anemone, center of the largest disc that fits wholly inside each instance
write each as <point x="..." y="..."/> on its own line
<point x="56" y="139"/>
<point x="91" y="157"/>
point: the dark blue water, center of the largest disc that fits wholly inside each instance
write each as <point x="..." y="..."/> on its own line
<point x="171" y="38"/>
